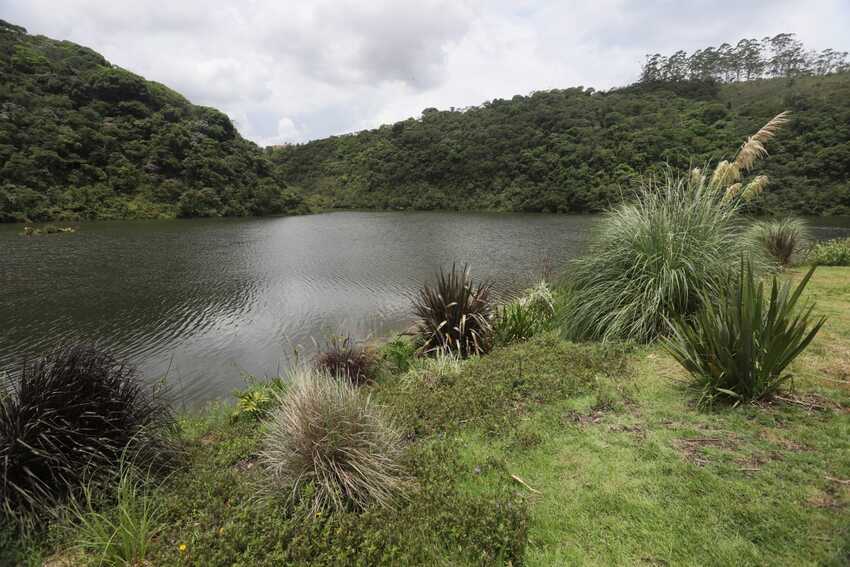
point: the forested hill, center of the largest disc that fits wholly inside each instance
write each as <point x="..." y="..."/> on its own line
<point x="574" y="150"/>
<point x="80" y="138"/>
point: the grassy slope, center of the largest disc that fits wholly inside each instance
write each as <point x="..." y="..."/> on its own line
<point x="626" y="470"/>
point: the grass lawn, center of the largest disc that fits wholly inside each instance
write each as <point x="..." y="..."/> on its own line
<point x="548" y="453"/>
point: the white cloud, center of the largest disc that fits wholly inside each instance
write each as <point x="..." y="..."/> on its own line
<point x="293" y="71"/>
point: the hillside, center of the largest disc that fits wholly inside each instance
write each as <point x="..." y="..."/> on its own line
<point x="82" y="139"/>
<point x="575" y="150"/>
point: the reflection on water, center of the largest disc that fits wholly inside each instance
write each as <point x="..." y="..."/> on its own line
<point x="205" y="300"/>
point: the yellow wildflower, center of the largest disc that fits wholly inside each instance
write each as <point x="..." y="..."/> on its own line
<point x="182" y="547"/>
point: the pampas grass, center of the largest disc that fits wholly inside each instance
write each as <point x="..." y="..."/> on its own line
<point x="650" y="260"/>
<point x="754" y="148"/>
<point x="656" y="258"/>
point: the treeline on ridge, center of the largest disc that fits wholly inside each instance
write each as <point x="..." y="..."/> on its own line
<point x="83" y="139"/>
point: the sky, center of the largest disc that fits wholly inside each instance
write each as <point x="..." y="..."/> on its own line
<point x="290" y="71"/>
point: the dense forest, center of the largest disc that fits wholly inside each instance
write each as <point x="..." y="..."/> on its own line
<point x="81" y="139"/>
<point x="577" y="150"/>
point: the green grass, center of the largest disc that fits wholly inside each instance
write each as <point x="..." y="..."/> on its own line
<point x="550" y="453"/>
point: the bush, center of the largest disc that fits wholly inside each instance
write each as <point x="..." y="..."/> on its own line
<point x="739" y="347"/>
<point x="330" y="446"/>
<point x="70" y="416"/>
<point x="343" y="358"/>
<point x="524" y="317"/>
<point x="652" y="260"/>
<point x="785" y="241"/>
<point x="831" y="253"/>
<point x="399" y="354"/>
<point x="257" y="400"/>
<point x="454" y="314"/>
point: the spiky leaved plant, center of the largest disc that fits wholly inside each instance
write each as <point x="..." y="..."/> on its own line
<point x="454" y="314"/>
<point x="740" y="344"/>
<point x="785" y="241"/>
<point x="653" y="259"/>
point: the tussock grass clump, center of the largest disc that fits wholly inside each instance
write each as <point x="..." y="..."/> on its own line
<point x="330" y="445"/>
<point x="345" y="359"/>
<point x="739" y="347"/>
<point x="454" y="314"/>
<point x="650" y="260"/>
<point x="831" y="253"/>
<point x="786" y="241"/>
<point x="71" y="416"/>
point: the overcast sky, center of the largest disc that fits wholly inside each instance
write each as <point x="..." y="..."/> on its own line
<point x="291" y="71"/>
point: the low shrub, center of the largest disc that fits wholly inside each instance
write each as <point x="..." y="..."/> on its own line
<point x="120" y="533"/>
<point x="345" y="359"/>
<point x="454" y="314"/>
<point x="399" y="353"/>
<point x="496" y="392"/>
<point x="455" y="516"/>
<point x="330" y="445"/>
<point x="785" y="241"/>
<point x="738" y="347"/>
<point x="70" y="416"/>
<point x="257" y="400"/>
<point x="831" y="253"/>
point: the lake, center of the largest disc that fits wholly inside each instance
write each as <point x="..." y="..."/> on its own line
<point x="206" y="301"/>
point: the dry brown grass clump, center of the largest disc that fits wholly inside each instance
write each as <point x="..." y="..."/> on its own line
<point x="330" y="446"/>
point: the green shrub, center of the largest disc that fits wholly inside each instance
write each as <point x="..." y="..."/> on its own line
<point x="70" y="416"/>
<point x="454" y="314"/>
<point x="739" y="347"/>
<point x="785" y="241"/>
<point x="343" y="358"/>
<point x="524" y="317"/>
<point x="399" y="354"/>
<point x="330" y="445"/>
<point x="831" y="253"/>
<point x="651" y="260"/>
<point x="121" y="533"/>
<point x="257" y="400"/>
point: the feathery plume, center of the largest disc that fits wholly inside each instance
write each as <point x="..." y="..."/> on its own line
<point x="732" y="192"/>
<point x="697" y="178"/>
<point x="724" y="174"/>
<point x="754" y="187"/>
<point x="753" y="149"/>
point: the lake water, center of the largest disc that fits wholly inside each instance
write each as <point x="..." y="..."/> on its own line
<point x="205" y="301"/>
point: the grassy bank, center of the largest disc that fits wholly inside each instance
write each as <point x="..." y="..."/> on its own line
<point x="541" y="453"/>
